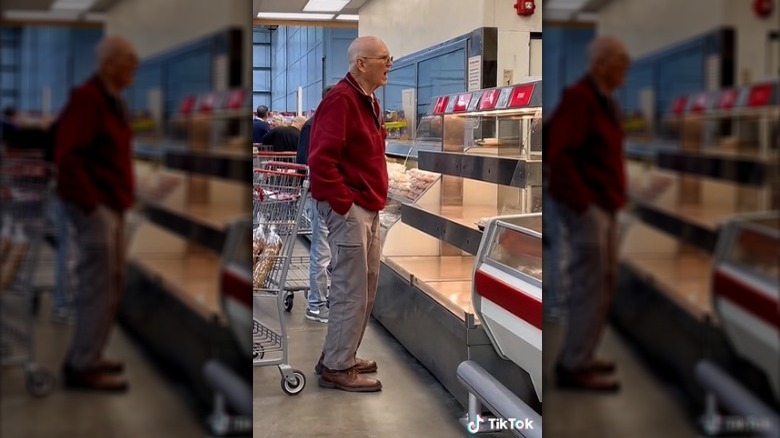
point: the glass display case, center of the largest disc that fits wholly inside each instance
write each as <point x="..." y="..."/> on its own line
<point x="730" y="122"/>
<point x="746" y="289"/>
<point x="476" y="155"/>
<point x="507" y="293"/>
<point x="721" y="164"/>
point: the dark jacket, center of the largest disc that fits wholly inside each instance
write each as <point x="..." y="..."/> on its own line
<point x="282" y="138"/>
<point x="259" y="129"/>
<point x="93" y="150"/>
<point x="347" y="149"/>
<point x="302" y="157"/>
<point x="584" y="153"/>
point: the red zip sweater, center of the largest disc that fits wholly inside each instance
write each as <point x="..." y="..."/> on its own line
<point x="585" y="150"/>
<point x="347" y="150"/>
<point x="93" y="150"/>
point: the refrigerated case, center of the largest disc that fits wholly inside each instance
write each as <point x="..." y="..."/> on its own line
<point x="746" y="290"/>
<point x="189" y="195"/>
<point x="476" y="155"/>
<point x="715" y="160"/>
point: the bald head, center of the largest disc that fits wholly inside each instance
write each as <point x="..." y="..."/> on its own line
<point x="299" y="121"/>
<point x="113" y="47"/>
<point x="117" y="61"/>
<point x="369" y="62"/>
<point x="363" y="46"/>
<point x="603" y="48"/>
<point x="608" y="62"/>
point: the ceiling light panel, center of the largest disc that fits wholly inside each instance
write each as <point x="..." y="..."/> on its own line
<point x="325" y="5"/>
<point x="78" y="5"/>
<point x="293" y="16"/>
<point x="347" y="17"/>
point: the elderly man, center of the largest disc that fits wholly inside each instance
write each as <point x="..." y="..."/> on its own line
<point x="349" y="181"/>
<point x="96" y="183"/>
<point x="587" y="183"/>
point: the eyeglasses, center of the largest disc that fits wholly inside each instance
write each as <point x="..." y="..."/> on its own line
<point x="386" y="58"/>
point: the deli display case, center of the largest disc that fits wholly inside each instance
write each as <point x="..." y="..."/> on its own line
<point x="507" y="298"/>
<point x="713" y="163"/>
<point x="476" y="155"/>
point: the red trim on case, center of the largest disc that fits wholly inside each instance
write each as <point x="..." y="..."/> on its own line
<point x="748" y="298"/>
<point x="513" y="300"/>
<point x="236" y="287"/>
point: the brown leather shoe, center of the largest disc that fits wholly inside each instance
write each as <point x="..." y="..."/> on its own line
<point x="94" y="380"/>
<point x="587" y="381"/>
<point x="348" y="380"/>
<point x="110" y="365"/>
<point x="364" y="366"/>
<point x="602" y="366"/>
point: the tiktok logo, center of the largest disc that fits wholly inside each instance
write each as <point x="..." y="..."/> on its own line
<point x="473" y="426"/>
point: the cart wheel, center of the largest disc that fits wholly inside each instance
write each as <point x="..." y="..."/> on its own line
<point x="288" y="301"/>
<point x="39" y="383"/>
<point x="258" y="351"/>
<point x="296" y="386"/>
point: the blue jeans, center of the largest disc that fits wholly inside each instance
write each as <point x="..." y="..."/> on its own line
<point x="319" y="259"/>
<point x="63" y="288"/>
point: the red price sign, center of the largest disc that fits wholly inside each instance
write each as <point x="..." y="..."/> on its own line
<point x="462" y="102"/>
<point x="760" y="95"/>
<point x="489" y="99"/>
<point x="700" y="103"/>
<point x="521" y="95"/>
<point x="441" y="105"/>
<point x="187" y="105"/>
<point x="727" y="99"/>
<point x="678" y="107"/>
<point x="235" y="99"/>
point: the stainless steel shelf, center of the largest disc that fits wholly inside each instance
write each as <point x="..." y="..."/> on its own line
<point x="506" y="171"/>
<point x="410" y="150"/>
<point x="742" y="169"/>
<point x="455" y="232"/>
<point x="225" y="166"/>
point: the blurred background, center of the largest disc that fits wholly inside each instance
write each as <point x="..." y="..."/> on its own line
<point x="189" y="109"/>
<point x="694" y="324"/>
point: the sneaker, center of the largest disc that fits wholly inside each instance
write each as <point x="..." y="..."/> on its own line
<point x="320" y="314"/>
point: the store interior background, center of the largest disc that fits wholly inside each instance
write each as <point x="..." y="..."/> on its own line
<point x="45" y="56"/>
<point x="424" y="298"/>
<point x="193" y="171"/>
<point x="681" y="204"/>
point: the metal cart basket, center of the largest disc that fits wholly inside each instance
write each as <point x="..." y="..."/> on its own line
<point x="279" y="194"/>
<point x="25" y="189"/>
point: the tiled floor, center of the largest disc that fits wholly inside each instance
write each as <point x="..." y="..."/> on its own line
<point x="151" y="408"/>
<point x="644" y="408"/>
<point x="411" y="404"/>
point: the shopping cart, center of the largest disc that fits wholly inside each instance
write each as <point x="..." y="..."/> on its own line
<point x="280" y="192"/>
<point x="263" y="156"/>
<point x="25" y="189"/>
<point x="298" y="277"/>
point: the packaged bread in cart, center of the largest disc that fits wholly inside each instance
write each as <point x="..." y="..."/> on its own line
<point x="272" y="245"/>
<point x="18" y="251"/>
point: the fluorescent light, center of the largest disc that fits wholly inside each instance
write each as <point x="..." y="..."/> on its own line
<point x="293" y="16"/>
<point x="325" y="5"/>
<point x="78" y="5"/>
<point x="41" y="15"/>
<point x="347" y="17"/>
